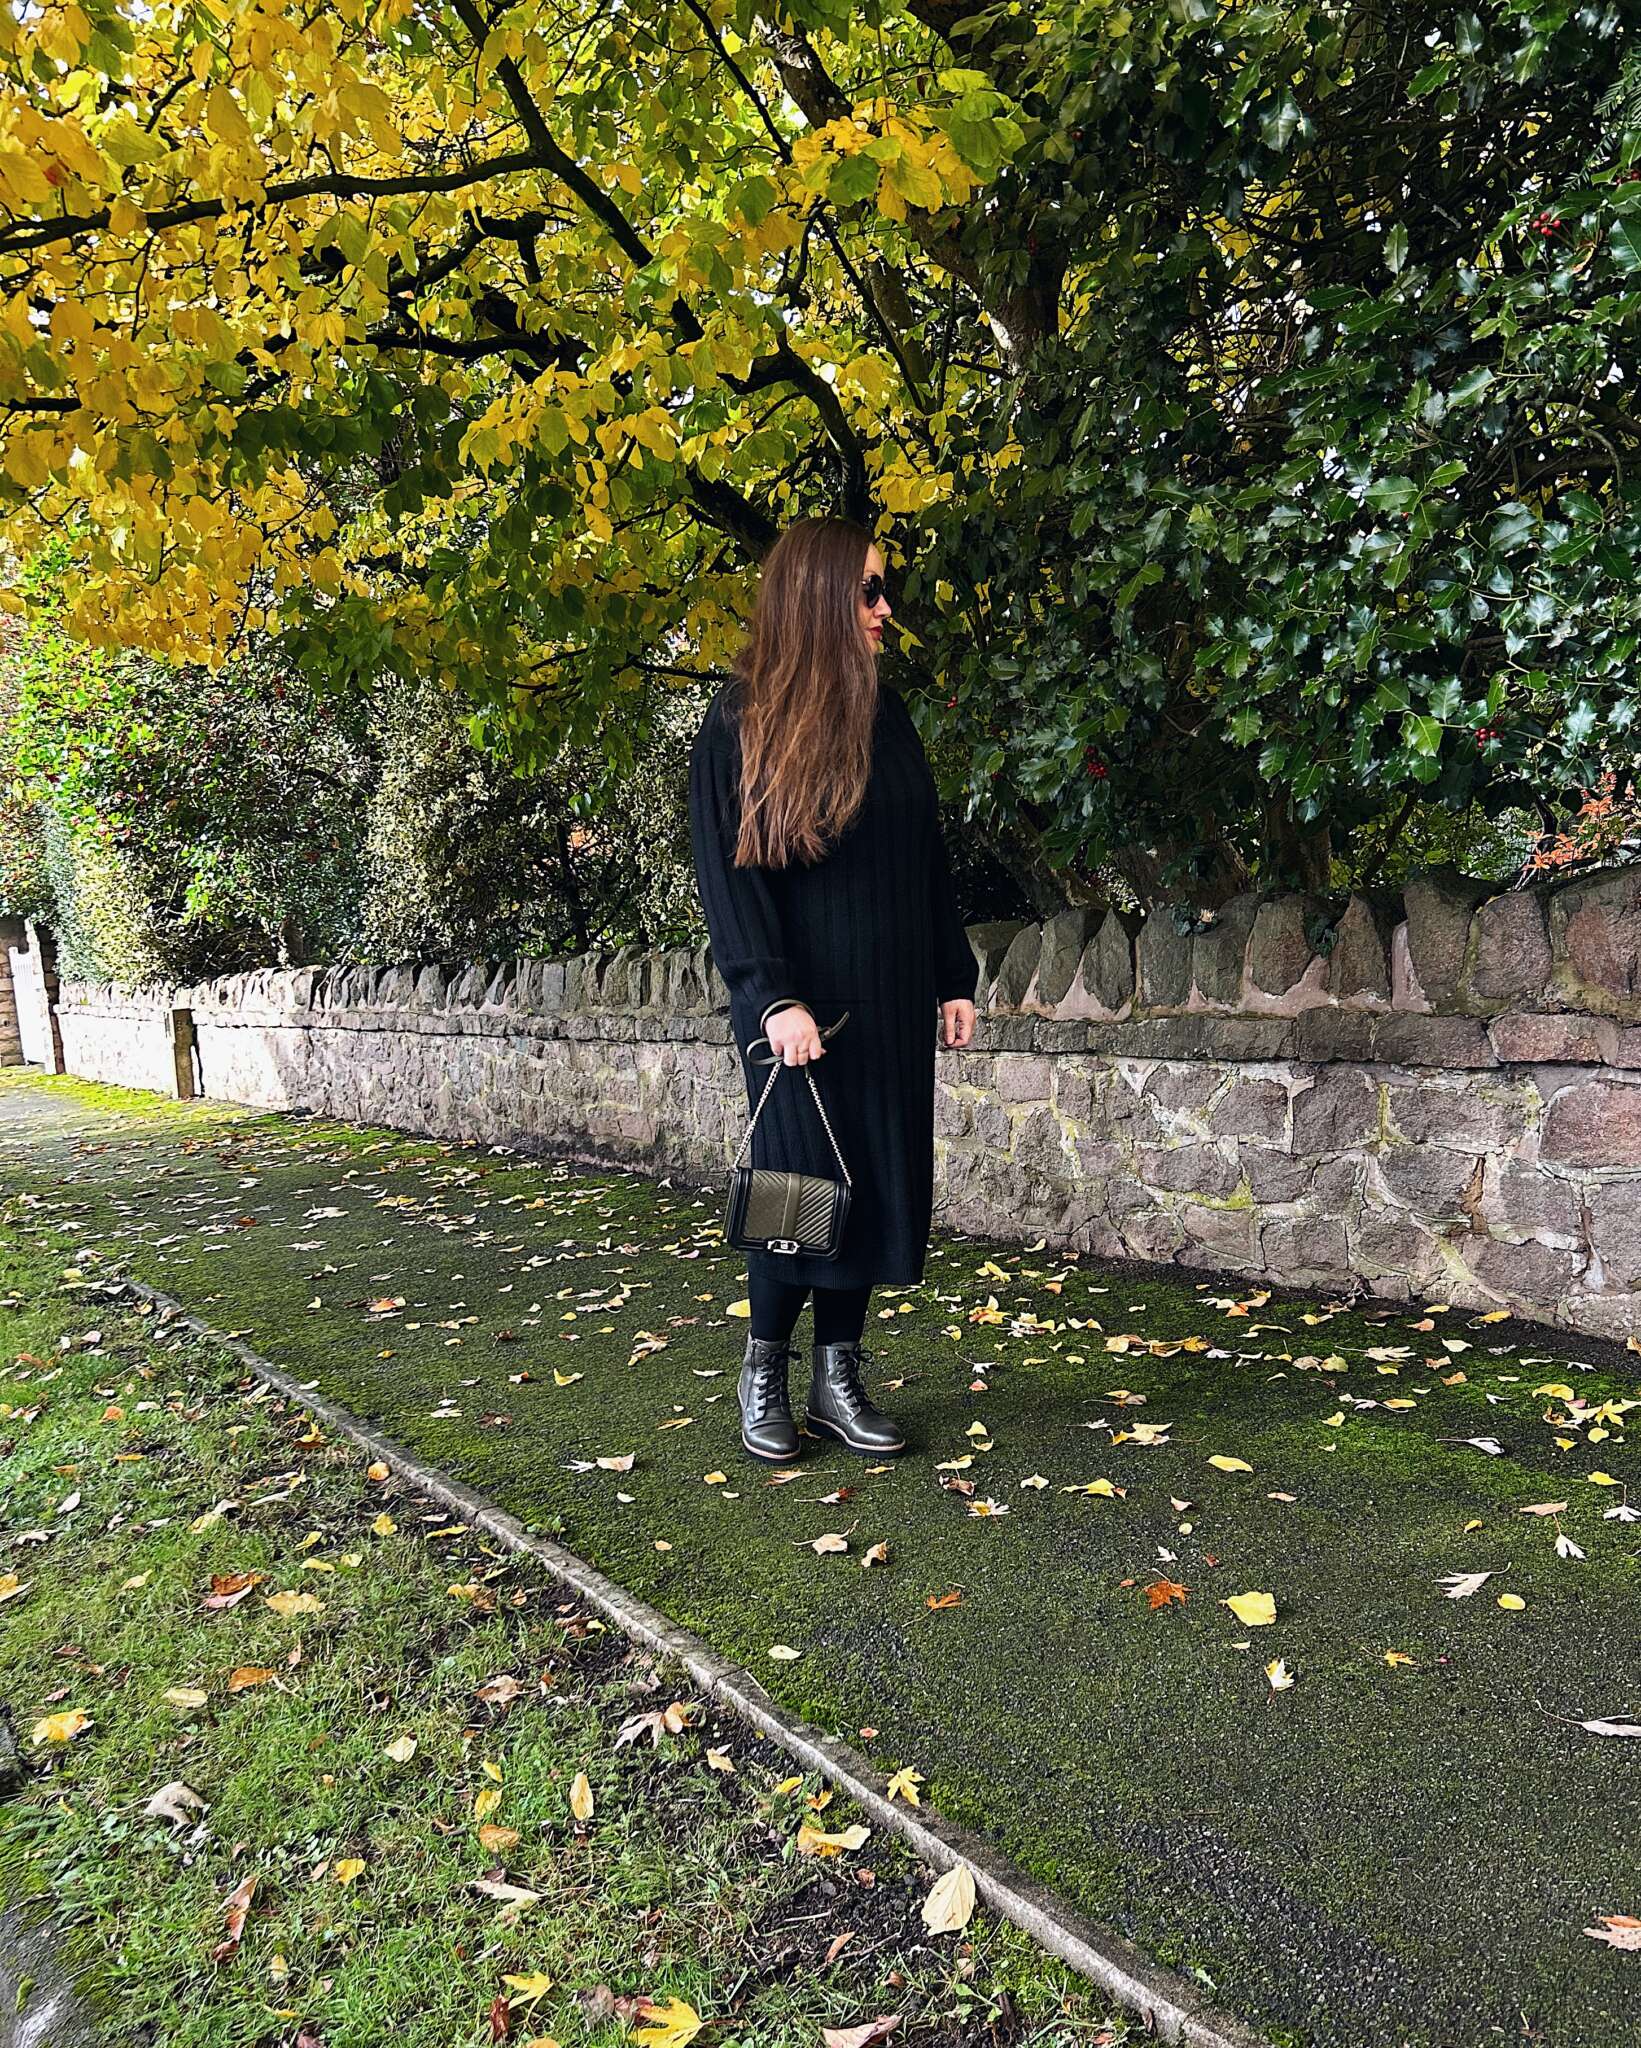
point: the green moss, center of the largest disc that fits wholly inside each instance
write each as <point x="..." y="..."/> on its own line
<point x="1290" y="1846"/>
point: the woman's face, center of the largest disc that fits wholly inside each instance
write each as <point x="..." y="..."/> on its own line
<point x="873" y="616"/>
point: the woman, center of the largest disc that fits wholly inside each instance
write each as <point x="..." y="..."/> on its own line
<point x="824" y="880"/>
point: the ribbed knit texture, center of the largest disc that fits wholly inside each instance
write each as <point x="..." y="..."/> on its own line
<point x="872" y="928"/>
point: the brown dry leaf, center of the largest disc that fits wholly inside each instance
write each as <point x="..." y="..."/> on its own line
<point x="286" y="1605"/>
<point x="866" y="2035"/>
<point x="838" y="1944"/>
<point x="1163" y="1592"/>
<point x="1617" y="1930"/>
<point x="377" y="1470"/>
<point x="878" y="1554"/>
<point x="1545" y="1507"/>
<point x="829" y="1545"/>
<point x="235" y="1907"/>
<point x="244" y="1676"/>
<point x="228" y="1589"/>
<point x="500" y="1691"/>
<point x="621" y="1464"/>
<point x="175" y="1802"/>
<point x="62" y="1727"/>
<point x="936" y="1601"/>
<point x="950" y="1904"/>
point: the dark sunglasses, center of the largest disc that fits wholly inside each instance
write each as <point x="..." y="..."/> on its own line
<point x="871" y="589"/>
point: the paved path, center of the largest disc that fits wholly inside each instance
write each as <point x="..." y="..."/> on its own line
<point x="1382" y="1852"/>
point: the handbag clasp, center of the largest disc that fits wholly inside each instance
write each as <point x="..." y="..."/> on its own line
<point x="783" y="1244"/>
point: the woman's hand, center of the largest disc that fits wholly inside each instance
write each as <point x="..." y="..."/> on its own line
<point x="794" y="1036"/>
<point x="957" y="1022"/>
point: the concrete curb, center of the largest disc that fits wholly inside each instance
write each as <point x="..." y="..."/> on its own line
<point x="1170" y="2006"/>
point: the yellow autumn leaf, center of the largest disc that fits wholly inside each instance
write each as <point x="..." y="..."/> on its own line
<point x="673" y="2025"/>
<point x="1253" y="1610"/>
<point x="1512" y="1603"/>
<point x="376" y="1470"/>
<point x="581" y="1798"/>
<point x="904" y="1784"/>
<point x="739" y="1308"/>
<point x="783" y="1653"/>
<point x="349" y="1868"/>
<point x="184" y="1696"/>
<point x="536" y="1985"/>
<point x="1224" y="1464"/>
<point x="715" y="1479"/>
<point x="285" y="1605"/>
<point x="1394" y="1658"/>
<point x="813" y="1842"/>
<point x="401" y="1749"/>
<point x="1603" y="1479"/>
<point x="62" y="1727"/>
<point x="950" y="1904"/>
<point x="485" y="1802"/>
<point x="384" y="1525"/>
<point x="566" y="1379"/>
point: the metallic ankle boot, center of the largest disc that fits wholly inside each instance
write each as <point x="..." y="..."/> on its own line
<point x="838" y="1406"/>
<point x="767" y="1428"/>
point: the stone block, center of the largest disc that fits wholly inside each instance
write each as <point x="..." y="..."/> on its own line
<point x="1219" y="954"/>
<point x="953" y="1117"/>
<point x="991" y="1125"/>
<point x="1325" y="1033"/>
<point x="1436" y="1183"/>
<point x="1523" y="1200"/>
<point x="1440" y="907"/>
<point x="1164" y="963"/>
<point x="991" y="942"/>
<point x="1108" y="961"/>
<point x="1338" y="1111"/>
<point x="1594" y="1124"/>
<point x="1509" y="952"/>
<point x="1275" y="1177"/>
<point x="1008" y="991"/>
<point x="1418" y="1041"/>
<point x="1565" y="1038"/>
<point x="1251" y="1108"/>
<point x="1039" y="1147"/>
<point x="1359" y="963"/>
<point x="1595" y="929"/>
<point x="1281" y="950"/>
<point x="1065" y="935"/>
<point x="1615" y="1232"/>
<point x="1022" y="1077"/>
<point x="1456" y="1117"/>
<point x="1188" y="1169"/>
<point x="1149" y="1234"/>
<point x="1530" y="1276"/>
<point x="1231" y="1235"/>
<point x="1307" y="1250"/>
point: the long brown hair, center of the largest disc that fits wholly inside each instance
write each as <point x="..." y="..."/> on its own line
<point x="808" y="695"/>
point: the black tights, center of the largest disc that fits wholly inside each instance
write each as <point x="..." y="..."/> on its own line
<point x="840" y="1312"/>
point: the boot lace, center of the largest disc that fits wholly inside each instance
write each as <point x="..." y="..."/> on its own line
<point x="768" y="1388"/>
<point x="846" y="1377"/>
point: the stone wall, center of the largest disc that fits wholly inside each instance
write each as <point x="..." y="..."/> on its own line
<point x="1427" y="1095"/>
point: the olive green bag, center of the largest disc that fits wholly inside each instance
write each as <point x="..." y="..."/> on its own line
<point x="771" y="1210"/>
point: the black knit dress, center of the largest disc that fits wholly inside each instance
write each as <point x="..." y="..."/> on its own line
<point x="872" y="928"/>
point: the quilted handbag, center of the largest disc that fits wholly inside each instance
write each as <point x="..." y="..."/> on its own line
<point x="771" y="1210"/>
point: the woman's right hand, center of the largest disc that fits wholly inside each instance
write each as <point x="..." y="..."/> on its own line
<point x="794" y="1036"/>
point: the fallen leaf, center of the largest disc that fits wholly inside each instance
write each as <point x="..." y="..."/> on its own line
<point x="812" y="1842"/>
<point x="244" y="1676"/>
<point x="1394" y="1658"/>
<point x="878" y="1554"/>
<point x="175" y="1802"/>
<point x="1281" y="1678"/>
<point x="228" y="1589"/>
<point x="485" y="1801"/>
<point x="189" y="1696"/>
<point x="936" y="1601"/>
<point x="1165" y="1590"/>
<point x="1253" y="1610"/>
<point x="1224" y="1464"/>
<point x="349" y="1868"/>
<point x="11" y="1587"/>
<point x="234" y="1908"/>
<point x="950" y="1904"/>
<point x="904" y="1784"/>
<point x="1603" y="1479"/>
<point x="285" y="1605"/>
<point x="536" y="1985"/>
<point x="1513" y="1603"/>
<point x="581" y="1798"/>
<point x="384" y="1525"/>
<point x="1460" y="1585"/>
<point x="1632" y="1728"/>
<point x="377" y="1470"/>
<point x="783" y="1653"/>
<point x="1544" y="1507"/>
<point x="1617" y="1930"/>
<point x="721" y="1760"/>
<point x="62" y="1727"/>
<point x="497" y="1839"/>
<point x="867" y="2035"/>
<point x="673" y="2025"/>
<point x="401" y="1749"/>
<point x="830" y="1545"/>
<point x="622" y="1464"/>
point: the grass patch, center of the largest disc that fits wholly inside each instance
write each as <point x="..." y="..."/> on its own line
<point x="1400" y="1851"/>
<point x="434" y="1676"/>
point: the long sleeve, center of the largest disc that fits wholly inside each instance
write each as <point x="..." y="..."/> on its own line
<point x="955" y="967"/>
<point x="743" y="919"/>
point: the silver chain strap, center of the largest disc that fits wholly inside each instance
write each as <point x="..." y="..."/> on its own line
<point x="775" y="1068"/>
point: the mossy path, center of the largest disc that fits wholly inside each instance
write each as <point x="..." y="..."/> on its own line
<point x="1406" y="1845"/>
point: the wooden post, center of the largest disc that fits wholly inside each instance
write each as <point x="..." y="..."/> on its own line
<point x="179" y="1029"/>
